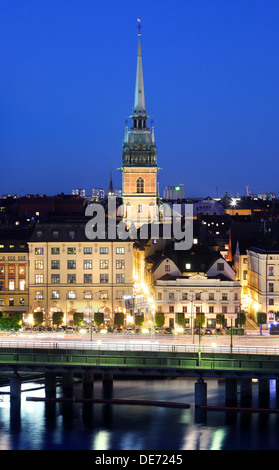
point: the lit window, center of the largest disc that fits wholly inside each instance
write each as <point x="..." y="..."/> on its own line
<point x="188" y="266"/>
<point x="39" y="278"/>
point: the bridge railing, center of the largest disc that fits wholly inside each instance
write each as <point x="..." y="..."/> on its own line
<point x="138" y="346"/>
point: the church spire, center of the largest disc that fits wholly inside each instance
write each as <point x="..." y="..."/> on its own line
<point x="139" y="102"/>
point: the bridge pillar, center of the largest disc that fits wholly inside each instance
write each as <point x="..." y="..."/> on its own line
<point x="67" y="381"/>
<point x="88" y="384"/>
<point x="107" y="385"/>
<point x="264" y="386"/>
<point x="231" y="390"/>
<point x="246" y="388"/>
<point x="50" y="385"/>
<point x="15" y="386"/>
<point x="200" y="393"/>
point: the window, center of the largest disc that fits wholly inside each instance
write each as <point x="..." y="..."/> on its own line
<point x="11" y="302"/>
<point x="39" y="295"/>
<point x="224" y="309"/>
<point x="72" y="234"/>
<point x="270" y="301"/>
<point x="184" y="309"/>
<point x="55" y="278"/>
<point x="87" y="250"/>
<point x="11" y="269"/>
<point x="1" y="285"/>
<point x="220" y="266"/>
<point x="184" y="296"/>
<point x="167" y="267"/>
<point x="71" y="264"/>
<point x="235" y="296"/>
<point x="55" y="294"/>
<point x="270" y="287"/>
<point x="71" y="278"/>
<point x="188" y="266"/>
<point x="2" y="271"/>
<point x="120" y="264"/>
<point x="87" y="278"/>
<point x="120" y="278"/>
<point x="1" y="302"/>
<point x="71" y="294"/>
<point x="11" y="285"/>
<point x="55" y="251"/>
<point x="104" y="294"/>
<point x="103" y="278"/>
<point x="171" y="309"/>
<point x="103" y="264"/>
<point x="88" y="294"/>
<point x="140" y="185"/>
<point x="171" y="295"/>
<point x="22" y="284"/>
<point x="159" y="295"/>
<point x="211" y="296"/>
<point x="87" y="264"/>
<point x="211" y="309"/>
<point x="55" y="234"/>
<point x="103" y="250"/>
<point x="224" y="296"/>
<point x="120" y="250"/>
<point x="21" y="270"/>
<point x="198" y="296"/>
<point x="71" y="251"/>
<point x="39" y="251"/>
<point x="55" y="264"/>
<point x="271" y="270"/>
<point x="39" y="234"/>
<point x="120" y="294"/>
<point x="39" y="264"/>
<point x="39" y="278"/>
<point x="245" y="275"/>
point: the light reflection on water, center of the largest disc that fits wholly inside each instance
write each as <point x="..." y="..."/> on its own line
<point x="41" y="426"/>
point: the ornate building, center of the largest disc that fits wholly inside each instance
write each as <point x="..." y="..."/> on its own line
<point x="139" y="158"/>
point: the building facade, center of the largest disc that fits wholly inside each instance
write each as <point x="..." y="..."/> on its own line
<point x="70" y="273"/>
<point x="14" y="272"/>
<point x="263" y="282"/>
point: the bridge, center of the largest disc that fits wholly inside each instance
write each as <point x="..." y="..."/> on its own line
<point x="129" y="359"/>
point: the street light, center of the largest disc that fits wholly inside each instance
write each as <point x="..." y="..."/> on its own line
<point x="90" y="312"/>
<point x="231" y="317"/>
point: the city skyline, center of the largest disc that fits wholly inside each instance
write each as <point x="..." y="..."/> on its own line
<point x="210" y="76"/>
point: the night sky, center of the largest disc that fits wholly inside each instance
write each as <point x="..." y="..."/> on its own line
<point x="211" y="77"/>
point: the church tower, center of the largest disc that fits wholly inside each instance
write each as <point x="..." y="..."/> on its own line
<point x="139" y="158"/>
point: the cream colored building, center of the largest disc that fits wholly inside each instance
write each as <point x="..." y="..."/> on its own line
<point x="70" y="273"/>
<point x="192" y="282"/>
<point x="263" y="282"/>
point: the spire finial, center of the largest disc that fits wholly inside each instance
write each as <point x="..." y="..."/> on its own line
<point x="139" y="26"/>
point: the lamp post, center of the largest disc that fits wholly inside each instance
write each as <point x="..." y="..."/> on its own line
<point x="232" y="317"/>
<point x="90" y="311"/>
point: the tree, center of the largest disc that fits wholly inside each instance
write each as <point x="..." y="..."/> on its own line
<point x="159" y="319"/>
<point x="78" y="318"/>
<point x="261" y="319"/>
<point x="119" y="319"/>
<point x="10" y="322"/>
<point x="200" y="319"/>
<point x="38" y="318"/>
<point x="139" y="319"/>
<point x="241" y="318"/>
<point x="57" y="318"/>
<point x="220" y="319"/>
<point x="99" y="318"/>
<point x="180" y="319"/>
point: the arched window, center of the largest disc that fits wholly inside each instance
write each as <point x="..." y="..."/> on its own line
<point x="140" y="185"/>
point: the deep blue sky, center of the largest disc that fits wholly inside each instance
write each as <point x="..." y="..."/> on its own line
<point x="211" y="75"/>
